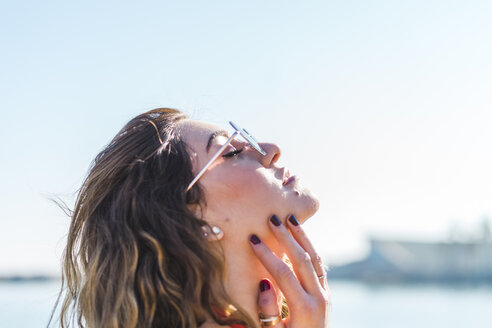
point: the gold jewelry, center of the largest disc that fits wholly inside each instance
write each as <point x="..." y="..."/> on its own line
<point x="269" y="320"/>
<point x="321" y="276"/>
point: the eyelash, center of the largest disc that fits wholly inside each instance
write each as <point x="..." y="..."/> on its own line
<point x="232" y="153"/>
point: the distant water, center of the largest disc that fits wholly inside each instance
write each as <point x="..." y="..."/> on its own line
<point x="27" y="304"/>
<point x="355" y="305"/>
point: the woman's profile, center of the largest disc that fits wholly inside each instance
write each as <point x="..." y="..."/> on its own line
<point x="180" y="223"/>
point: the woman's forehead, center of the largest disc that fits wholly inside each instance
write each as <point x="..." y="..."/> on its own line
<point x="193" y="128"/>
<point x="196" y="133"/>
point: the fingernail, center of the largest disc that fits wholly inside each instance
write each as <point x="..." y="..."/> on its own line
<point x="274" y="219"/>
<point x="254" y="239"/>
<point x="293" y="220"/>
<point x="264" y="285"/>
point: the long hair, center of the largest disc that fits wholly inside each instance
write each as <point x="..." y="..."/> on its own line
<point x="135" y="254"/>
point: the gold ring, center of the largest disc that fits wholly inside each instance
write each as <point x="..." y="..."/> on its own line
<point x="321" y="276"/>
<point x="269" y="320"/>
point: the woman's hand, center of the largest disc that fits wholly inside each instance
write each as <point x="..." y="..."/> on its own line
<point x="306" y="292"/>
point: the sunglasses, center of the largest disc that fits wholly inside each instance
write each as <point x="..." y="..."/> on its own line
<point x="237" y="131"/>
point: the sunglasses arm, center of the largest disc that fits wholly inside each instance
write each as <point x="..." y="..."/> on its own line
<point x="212" y="160"/>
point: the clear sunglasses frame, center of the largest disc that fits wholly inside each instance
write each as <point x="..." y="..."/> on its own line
<point x="237" y="131"/>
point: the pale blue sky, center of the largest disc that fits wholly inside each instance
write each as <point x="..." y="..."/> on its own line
<point x="382" y="107"/>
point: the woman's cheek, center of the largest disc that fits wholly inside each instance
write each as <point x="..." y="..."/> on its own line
<point x="245" y="185"/>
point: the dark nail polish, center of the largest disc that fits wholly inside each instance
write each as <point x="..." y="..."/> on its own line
<point x="274" y="219"/>
<point x="264" y="285"/>
<point x="254" y="239"/>
<point x="293" y="220"/>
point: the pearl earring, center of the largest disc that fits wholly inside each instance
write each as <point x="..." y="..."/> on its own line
<point x="216" y="231"/>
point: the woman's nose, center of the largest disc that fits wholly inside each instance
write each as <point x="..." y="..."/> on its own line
<point x="272" y="154"/>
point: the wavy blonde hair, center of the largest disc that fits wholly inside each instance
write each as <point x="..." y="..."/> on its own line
<point x="135" y="254"/>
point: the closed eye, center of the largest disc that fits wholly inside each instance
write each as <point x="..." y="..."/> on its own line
<point x="232" y="153"/>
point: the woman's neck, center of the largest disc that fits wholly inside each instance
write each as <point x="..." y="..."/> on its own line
<point x="244" y="273"/>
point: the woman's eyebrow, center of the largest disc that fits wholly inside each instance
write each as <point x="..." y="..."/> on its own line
<point x="215" y="134"/>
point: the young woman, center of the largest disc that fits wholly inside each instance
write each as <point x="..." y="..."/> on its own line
<point x="180" y="223"/>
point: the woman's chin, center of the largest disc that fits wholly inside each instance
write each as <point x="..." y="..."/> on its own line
<point x="308" y="205"/>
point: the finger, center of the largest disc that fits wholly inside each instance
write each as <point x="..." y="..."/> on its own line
<point x="268" y="305"/>
<point x="282" y="274"/>
<point x="300" y="259"/>
<point x="303" y="240"/>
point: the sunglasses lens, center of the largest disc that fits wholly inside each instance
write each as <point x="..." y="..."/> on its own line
<point x="249" y="138"/>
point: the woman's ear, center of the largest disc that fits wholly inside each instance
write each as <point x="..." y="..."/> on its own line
<point x="196" y="209"/>
<point x="211" y="232"/>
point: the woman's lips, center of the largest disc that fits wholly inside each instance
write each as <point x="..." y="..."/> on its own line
<point x="287" y="178"/>
<point x="290" y="180"/>
<point x="286" y="175"/>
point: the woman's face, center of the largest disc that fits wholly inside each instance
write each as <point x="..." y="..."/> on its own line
<point x="242" y="190"/>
